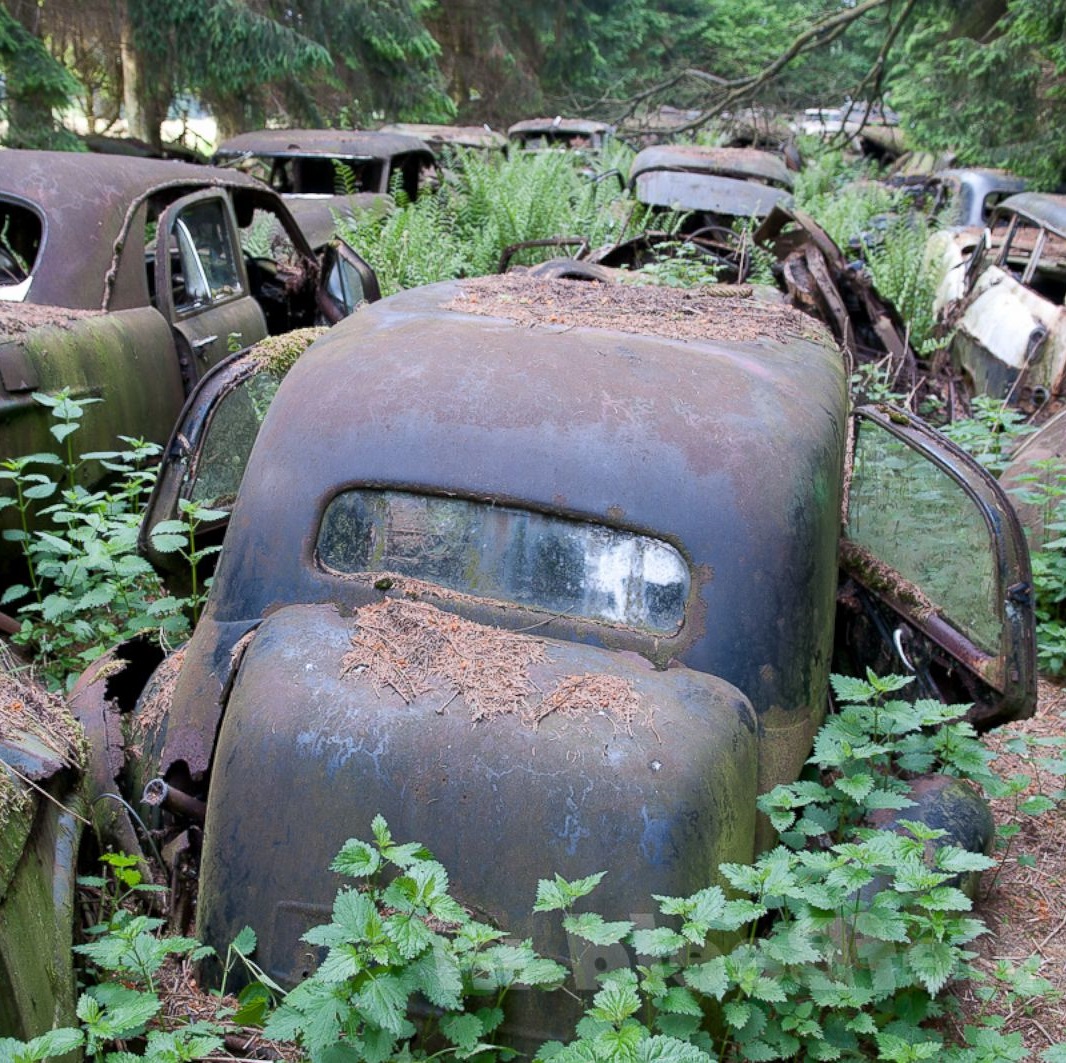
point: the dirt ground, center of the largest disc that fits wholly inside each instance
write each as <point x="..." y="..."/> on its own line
<point x="1025" y="906"/>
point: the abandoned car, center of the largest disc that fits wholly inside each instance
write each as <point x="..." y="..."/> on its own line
<point x="548" y="574"/>
<point x="323" y="172"/>
<point x="440" y="137"/>
<point x="1003" y="301"/>
<point x="714" y="185"/>
<point x="126" y="279"/>
<point x="572" y="134"/>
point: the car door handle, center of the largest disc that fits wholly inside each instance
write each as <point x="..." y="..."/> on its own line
<point x="199" y="345"/>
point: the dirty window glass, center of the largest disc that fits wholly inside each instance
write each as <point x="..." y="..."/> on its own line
<point x="20" y="240"/>
<point x="918" y="521"/>
<point x="550" y="563"/>
<point x="228" y="441"/>
<point x="203" y="258"/>
<point x="344" y="285"/>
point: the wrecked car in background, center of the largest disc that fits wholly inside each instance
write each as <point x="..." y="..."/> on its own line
<point x="1003" y="303"/>
<point x="572" y="134"/>
<point x="513" y="553"/>
<point x="126" y="279"/>
<point x="440" y="137"/>
<point x="714" y="185"/>
<point x="322" y="172"/>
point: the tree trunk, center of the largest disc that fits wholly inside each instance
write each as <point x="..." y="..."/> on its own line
<point x="145" y="102"/>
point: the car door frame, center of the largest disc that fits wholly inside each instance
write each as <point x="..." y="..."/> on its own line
<point x="202" y="332"/>
<point x="1005" y="681"/>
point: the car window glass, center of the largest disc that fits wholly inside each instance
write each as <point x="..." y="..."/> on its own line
<point x="913" y="518"/>
<point x="344" y="285"/>
<point x="228" y="440"/>
<point x="563" y="566"/>
<point x="204" y="261"/>
<point x="20" y="241"/>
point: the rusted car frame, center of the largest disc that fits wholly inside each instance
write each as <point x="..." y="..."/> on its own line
<point x="126" y="279"/>
<point x="537" y="134"/>
<point x="323" y="172"/>
<point x="711" y="183"/>
<point x="447" y="496"/>
<point x="440" y="137"/>
<point x="1004" y="303"/>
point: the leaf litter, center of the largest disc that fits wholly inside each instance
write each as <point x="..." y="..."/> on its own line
<point x="412" y="648"/>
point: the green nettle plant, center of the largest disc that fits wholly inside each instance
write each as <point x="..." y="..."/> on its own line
<point x="1044" y="489"/>
<point x="86" y="586"/>
<point x="839" y="944"/>
<point x="395" y="938"/>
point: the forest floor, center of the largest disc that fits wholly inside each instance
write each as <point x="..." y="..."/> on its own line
<point x="1024" y="902"/>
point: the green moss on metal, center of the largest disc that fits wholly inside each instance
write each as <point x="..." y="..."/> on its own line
<point x="278" y="354"/>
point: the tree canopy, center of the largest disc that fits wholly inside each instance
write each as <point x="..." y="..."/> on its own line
<point x="982" y="78"/>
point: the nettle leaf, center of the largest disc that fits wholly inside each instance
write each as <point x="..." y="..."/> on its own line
<point x="663" y="1049"/>
<point x="737" y="1013"/>
<point x="679" y="1001"/>
<point x="556" y="894"/>
<point x="53" y="1043"/>
<point x="540" y="971"/>
<point x="356" y="859"/>
<point x="463" y="1031"/>
<point x="617" y="999"/>
<point x="383" y="1001"/>
<point x="409" y="933"/>
<point x="855" y="786"/>
<point x="592" y="927"/>
<point x="1037" y="806"/>
<point x="849" y="689"/>
<point x="709" y="978"/>
<point x="661" y="941"/>
<point x="437" y="977"/>
<point x="882" y="924"/>
<point x="792" y="943"/>
<point x="932" y="963"/>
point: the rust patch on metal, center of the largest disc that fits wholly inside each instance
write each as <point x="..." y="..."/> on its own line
<point x="412" y="648"/>
<point x="726" y="315"/>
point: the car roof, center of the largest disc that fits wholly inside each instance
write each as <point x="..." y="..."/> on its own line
<point x="1041" y="207"/>
<point x="709" y="422"/>
<point x="576" y="126"/>
<point x="334" y="143"/>
<point x="436" y="136"/>
<point x="743" y="163"/>
<point x="85" y="202"/>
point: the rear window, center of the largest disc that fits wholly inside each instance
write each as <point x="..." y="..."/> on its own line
<point x="20" y="242"/>
<point x="572" y="568"/>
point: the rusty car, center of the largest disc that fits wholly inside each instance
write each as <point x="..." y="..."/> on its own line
<point x="573" y="134"/>
<point x="126" y="279"/>
<point x="714" y="185"/>
<point x="325" y="172"/>
<point x="625" y="503"/>
<point x="441" y="137"/>
<point x="1002" y="302"/>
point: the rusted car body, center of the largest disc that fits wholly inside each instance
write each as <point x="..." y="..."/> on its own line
<point x="711" y="183"/>
<point x="93" y="300"/>
<point x="439" y="137"/>
<point x="1003" y="302"/>
<point x="322" y="172"/>
<point x="633" y="485"/>
<point x="574" y="134"/>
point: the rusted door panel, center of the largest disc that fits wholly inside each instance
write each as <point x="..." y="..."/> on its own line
<point x="1004" y="330"/>
<point x="218" y="319"/>
<point x="498" y="803"/>
<point x="916" y="503"/>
